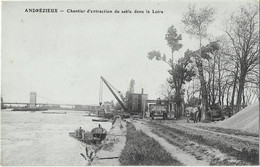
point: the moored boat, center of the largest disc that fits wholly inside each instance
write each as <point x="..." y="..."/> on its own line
<point x="100" y="120"/>
<point x="48" y="112"/>
<point x="60" y="112"/>
<point x="90" y="115"/>
<point x="99" y="133"/>
<point x="95" y="136"/>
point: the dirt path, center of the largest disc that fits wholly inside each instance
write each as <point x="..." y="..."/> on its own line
<point x="247" y="138"/>
<point x="177" y="153"/>
<point x="237" y="142"/>
<point x="196" y="146"/>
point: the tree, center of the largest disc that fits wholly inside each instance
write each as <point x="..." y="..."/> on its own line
<point x="166" y="91"/>
<point x="206" y="53"/>
<point x="128" y="100"/>
<point x="196" y="22"/>
<point x="180" y="73"/>
<point x="173" y="41"/>
<point x="131" y="86"/>
<point x="242" y="30"/>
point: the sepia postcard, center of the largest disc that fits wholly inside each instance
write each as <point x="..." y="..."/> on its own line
<point x="130" y="83"/>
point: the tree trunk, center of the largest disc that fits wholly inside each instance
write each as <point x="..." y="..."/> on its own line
<point x="204" y="94"/>
<point x="240" y="89"/>
<point x="228" y="91"/>
<point x="233" y="92"/>
<point x="226" y="99"/>
<point x="220" y="89"/>
<point x="203" y="89"/>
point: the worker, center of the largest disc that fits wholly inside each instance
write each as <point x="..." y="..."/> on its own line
<point x="99" y="126"/>
<point x="80" y="132"/>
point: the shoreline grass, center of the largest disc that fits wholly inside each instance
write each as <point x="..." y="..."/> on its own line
<point x="141" y="149"/>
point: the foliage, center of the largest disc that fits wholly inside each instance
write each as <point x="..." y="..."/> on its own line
<point x="128" y="100"/>
<point x="143" y="150"/>
<point x="193" y="101"/>
<point x="180" y="72"/>
<point x="166" y="91"/>
<point x="173" y="39"/>
<point x="196" y="20"/>
<point x="131" y="86"/>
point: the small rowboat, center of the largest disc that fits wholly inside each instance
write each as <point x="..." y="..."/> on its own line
<point x="88" y="115"/>
<point x="48" y="112"/>
<point x="60" y="112"/>
<point x="100" y="120"/>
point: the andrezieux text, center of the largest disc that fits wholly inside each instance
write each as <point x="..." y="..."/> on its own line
<point x="41" y="10"/>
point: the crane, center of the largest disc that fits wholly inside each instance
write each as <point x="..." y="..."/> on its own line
<point x="102" y="79"/>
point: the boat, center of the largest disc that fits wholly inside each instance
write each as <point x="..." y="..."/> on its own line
<point x="48" y="112"/>
<point x="95" y="136"/>
<point x="99" y="133"/>
<point x="60" y="112"/>
<point x="90" y="115"/>
<point x="100" y="120"/>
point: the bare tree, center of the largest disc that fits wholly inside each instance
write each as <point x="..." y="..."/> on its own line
<point x="166" y="91"/>
<point x="243" y="31"/>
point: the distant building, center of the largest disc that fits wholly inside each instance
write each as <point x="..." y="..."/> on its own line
<point x="33" y="96"/>
<point x="78" y="107"/>
<point x="137" y="102"/>
<point x="53" y="107"/>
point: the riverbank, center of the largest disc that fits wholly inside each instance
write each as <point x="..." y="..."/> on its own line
<point x="125" y="145"/>
<point x="145" y="142"/>
<point x="112" y="146"/>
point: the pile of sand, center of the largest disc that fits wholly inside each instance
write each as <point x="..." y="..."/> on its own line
<point x="246" y="119"/>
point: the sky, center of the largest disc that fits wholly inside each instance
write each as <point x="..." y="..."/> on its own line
<point x="61" y="56"/>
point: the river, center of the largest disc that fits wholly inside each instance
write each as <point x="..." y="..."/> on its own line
<point x="35" y="138"/>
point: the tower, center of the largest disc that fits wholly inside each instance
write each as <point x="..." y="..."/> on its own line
<point x="33" y="96"/>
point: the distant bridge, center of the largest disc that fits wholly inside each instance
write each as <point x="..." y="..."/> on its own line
<point x="50" y="105"/>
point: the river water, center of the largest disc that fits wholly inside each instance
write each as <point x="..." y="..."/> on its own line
<point x="35" y="138"/>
